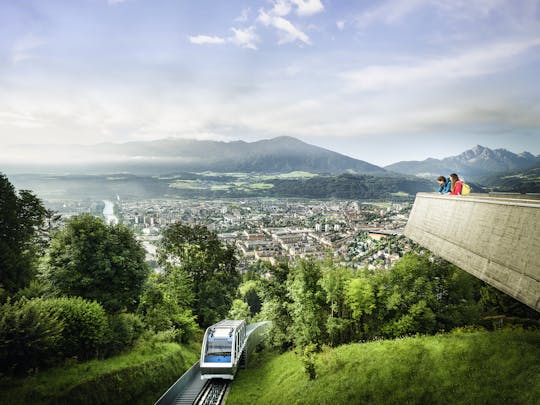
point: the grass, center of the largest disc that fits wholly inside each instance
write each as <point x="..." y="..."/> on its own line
<point x="139" y="377"/>
<point x="500" y="367"/>
<point x="261" y="186"/>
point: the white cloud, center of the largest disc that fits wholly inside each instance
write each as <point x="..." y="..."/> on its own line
<point x="303" y="8"/>
<point x="205" y="39"/>
<point x="288" y="32"/>
<point x="113" y="2"/>
<point x="308" y="7"/>
<point x="245" y="38"/>
<point x="281" y="7"/>
<point x="475" y="62"/>
<point x="341" y="25"/>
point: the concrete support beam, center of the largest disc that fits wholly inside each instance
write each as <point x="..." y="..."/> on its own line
<point x="496" y="239"/>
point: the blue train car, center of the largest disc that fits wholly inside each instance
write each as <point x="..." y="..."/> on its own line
<point x="221" y="350"/>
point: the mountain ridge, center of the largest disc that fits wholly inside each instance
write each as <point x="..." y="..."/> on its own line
<point x="474" y="163"/>
<point x="276" y="155"/>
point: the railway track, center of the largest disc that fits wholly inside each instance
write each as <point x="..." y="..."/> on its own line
<point x="213" y="393"/>
<point x="190" y="389"/>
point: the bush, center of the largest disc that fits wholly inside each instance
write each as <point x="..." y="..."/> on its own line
<point x="124" y="330"/>
<point x="85" y="326"/>
<point x="30" y="336"/>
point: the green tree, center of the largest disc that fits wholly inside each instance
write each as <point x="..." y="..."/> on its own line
<point x="276" y="304"/>
<point x="210" y="265"/>
<point x="338" y="324"/>
<point x="308" y="309"/>
<point x="21" y="216"/>
<point x="423" y="294"/>
<point x="98" y="262"/>
<point x="249" y="292"/>
<point x="165" y="304"/>
<point x="239" y="310"/>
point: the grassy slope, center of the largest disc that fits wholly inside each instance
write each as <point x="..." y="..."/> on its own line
<point x="468" y="368"/>
<point x="139" y="377"/>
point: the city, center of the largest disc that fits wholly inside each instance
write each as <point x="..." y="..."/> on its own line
<point x="354" y="234"/>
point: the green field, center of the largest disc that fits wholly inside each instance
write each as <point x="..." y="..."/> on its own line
<point x="241" y="182"/>
<point x="187" y="185"/>
<point x="500" y="367"/>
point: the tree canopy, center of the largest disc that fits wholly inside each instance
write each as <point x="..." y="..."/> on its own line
<point x="210" y="266"/>
<point x="96" y="261"/>
<point x="21" y="216"/>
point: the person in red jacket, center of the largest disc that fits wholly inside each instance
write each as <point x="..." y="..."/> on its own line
<point x="457" y="184"/>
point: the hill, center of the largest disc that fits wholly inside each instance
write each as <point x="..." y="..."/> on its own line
<point x="523" y="181"/>
<point x="473" y="163"/>
<point x="467" y="368"/>
<point x="278" y="155"/>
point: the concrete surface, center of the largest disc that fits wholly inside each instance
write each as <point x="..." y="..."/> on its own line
<point x="495" y="238"/>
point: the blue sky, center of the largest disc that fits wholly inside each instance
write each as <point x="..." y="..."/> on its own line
<point x="380" y="81"/>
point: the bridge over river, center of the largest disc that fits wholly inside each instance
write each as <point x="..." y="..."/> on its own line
<point x="494" y="237"/>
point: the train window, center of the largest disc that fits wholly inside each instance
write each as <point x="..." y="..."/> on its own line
<point x="219" y="345"/>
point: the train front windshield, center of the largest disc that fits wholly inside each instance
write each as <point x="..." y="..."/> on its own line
<point x="218" y="347"/>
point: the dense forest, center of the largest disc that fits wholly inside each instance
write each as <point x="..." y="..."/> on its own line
<point x="83" y="291"/>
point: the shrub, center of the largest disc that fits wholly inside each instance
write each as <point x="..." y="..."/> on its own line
<point x="85" y="325"/>
<point x="184" y="322"/>
<point x="124" y="330"/>
<point x="30" y="336"/>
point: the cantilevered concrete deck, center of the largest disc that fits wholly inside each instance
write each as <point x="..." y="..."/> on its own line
<point x="495" y="238"/>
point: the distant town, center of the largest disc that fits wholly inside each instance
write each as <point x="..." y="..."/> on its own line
<point x="352" y="233"/>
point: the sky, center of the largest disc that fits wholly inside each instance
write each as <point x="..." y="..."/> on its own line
<point x="382" y="81"/>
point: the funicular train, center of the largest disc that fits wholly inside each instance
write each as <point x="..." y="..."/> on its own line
<point x="222" y="349"/>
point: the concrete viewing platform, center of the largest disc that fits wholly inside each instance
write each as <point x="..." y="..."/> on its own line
<point x="493" y="237"/>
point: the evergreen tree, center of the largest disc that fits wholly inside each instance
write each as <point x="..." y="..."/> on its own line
<point x="21" y="217"/>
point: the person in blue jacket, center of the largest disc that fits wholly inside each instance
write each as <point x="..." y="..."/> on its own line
<point x="444" y="185"/>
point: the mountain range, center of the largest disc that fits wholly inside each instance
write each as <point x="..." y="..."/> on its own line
<point x="474" y="163"/>
<point x="278" y="155"/>
<point x="274" y="167"/>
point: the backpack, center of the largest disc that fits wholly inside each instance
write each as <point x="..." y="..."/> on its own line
<point x="465" y="189"/>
